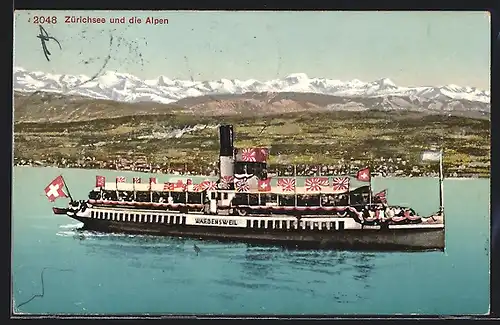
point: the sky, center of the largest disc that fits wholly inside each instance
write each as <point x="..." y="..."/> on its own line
<point x="410" y="48"/>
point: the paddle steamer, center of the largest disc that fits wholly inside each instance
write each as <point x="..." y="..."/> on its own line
<point x="245" y="204"/>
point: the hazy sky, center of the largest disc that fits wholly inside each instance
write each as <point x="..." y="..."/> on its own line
<point x="410" y="48"/>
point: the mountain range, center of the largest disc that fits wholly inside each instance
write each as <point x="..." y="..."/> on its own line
<point x="294" y="92"/>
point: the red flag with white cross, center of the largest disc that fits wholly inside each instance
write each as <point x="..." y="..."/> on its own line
<point x="264" y="185"/>
<point x="363" y="175"/>
<point x="54" y="190"/>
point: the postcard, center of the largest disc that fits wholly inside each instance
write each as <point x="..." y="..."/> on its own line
<point x="251" y="163"/>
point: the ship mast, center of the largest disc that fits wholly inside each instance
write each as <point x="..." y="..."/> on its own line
<point x="441" y="179"/>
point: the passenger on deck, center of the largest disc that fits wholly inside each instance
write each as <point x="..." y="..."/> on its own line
<point x="161" y="200"/>
<point x="170" y="200"/>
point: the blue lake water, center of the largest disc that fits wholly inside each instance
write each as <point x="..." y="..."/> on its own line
<point x="93" y="273"/>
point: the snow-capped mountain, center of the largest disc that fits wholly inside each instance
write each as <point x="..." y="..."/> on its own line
<point x="128" y="88"/>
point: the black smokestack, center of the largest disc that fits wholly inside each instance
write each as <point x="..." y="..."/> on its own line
<point x="226" y="140"/>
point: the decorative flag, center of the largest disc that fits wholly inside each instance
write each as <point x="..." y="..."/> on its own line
<point x="242" y="186"/>
<point x="168" y="186"/>
<point x="208" y="185"/>
<point x="262" y="154"/>
<point x="431" y="155"/>
<point x="152" y="180"/>
<point x="314" y="184"/>
<point x="249" y="155"/>
<point x="252" y="154"/>
<point x="180" y="185"/>
<point x="340" y="184"/>
<point x="99" y="181"/>
<point x="381" y="196"/>
<point x="264" y="185"/>
<point x="120" y="179"/>
<point x="197" y="188"/>
<point x="136" y="180"/>
<point x="287" y="184"/>
<point x="363" y="175"/>
<point x="54" y="190"/>
<point x="226" y="181"/>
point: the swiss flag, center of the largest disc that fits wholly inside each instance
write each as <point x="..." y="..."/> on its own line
<point x="55" y="189"/>
<point x="99" y="181"/>
<point x="363" y="175"/>
<point x="265" y="185"/>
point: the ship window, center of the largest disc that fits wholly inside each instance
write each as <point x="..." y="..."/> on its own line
<point x="177" y="219"/>
<point x="91" y="214"/>
<point x="323" y="225"/>
<point x="105" y="215"/>
<point x="226" y="195"/>
<point x="148" y="218"/>
<point x="249" y="223"/>
<point x="115" y="216"/>
<point x="127" y="217"/>
<point x="308" y="224"/>
<point x="270" y="224"/>
<point x="341" y="225"/>
<point x="332" y="225"/>
<point x="171" y="219"/>
<point x="262" y="223"/>
<point x="121" y="217"/>
<point x="183" y="220"/>
<point x="283" y="224"/>
<point x="276" y="224"/>
<point x="255" y="223"/>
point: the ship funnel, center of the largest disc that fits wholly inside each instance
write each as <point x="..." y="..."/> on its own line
<point x="226" y="140"/>
<point x="226" y="156"/>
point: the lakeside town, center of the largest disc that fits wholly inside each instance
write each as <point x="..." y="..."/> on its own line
<point x="381" y="166"/>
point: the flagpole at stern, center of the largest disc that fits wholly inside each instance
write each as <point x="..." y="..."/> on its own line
<point x="67" y="189"/>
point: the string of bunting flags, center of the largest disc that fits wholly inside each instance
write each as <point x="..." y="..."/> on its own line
<point x="280" y="185"/>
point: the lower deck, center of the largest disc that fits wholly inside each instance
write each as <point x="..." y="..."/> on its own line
<point x="274" y="222"/>
<point x="310" y="232"/>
